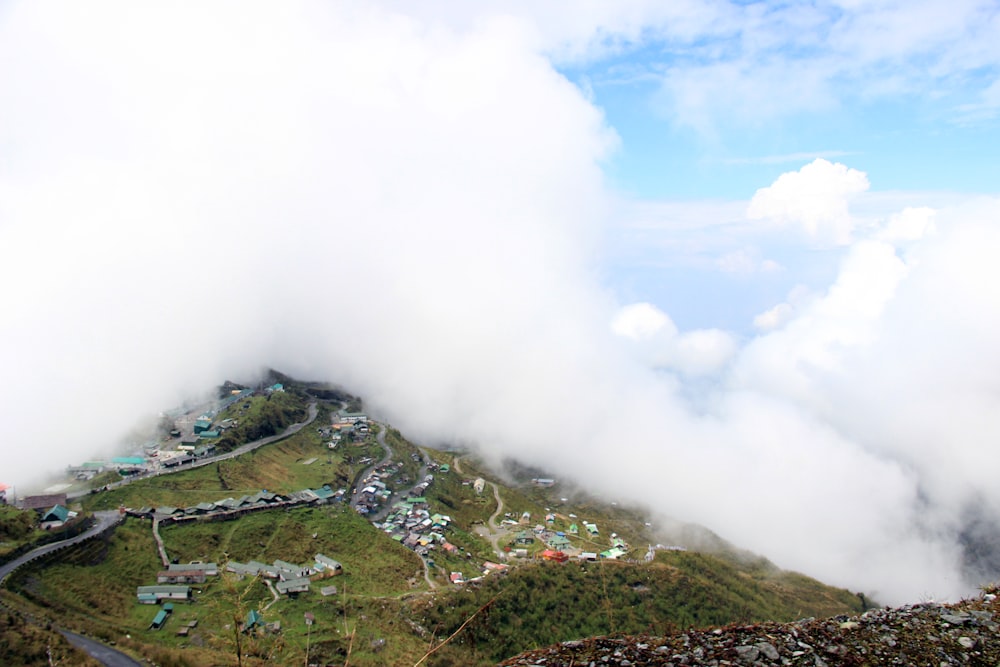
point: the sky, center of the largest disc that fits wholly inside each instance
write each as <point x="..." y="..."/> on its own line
<point x="733" y="261"/>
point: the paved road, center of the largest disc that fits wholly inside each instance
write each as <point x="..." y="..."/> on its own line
<point x="104" y="520"/>
<point x="105" y="655"/>
<point x="242" y="449"/>
<point x="356" y="493"/>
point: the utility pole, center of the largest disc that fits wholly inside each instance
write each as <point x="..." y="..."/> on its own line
<point x="310" y="619"/>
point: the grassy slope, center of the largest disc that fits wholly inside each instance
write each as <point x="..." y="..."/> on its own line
<point x="542" y="604"/>
<point x="380" y="597"/>
<point x="24" y="643"/>
<point x="17" y="527"/>
<point x="277" y="468"/>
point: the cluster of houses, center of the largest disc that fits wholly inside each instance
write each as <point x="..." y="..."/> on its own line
<point x="413" y="525"/>
<point x="51" y="509"/>
<point x="236" y="507"/>
<point x="350" y="425"/>
<point x="557" y="542"/>
<point x="291" y="579"/>
<point x="488" y="568"/>
<point x="174" y="583"/>
<point x="373" y="491"/>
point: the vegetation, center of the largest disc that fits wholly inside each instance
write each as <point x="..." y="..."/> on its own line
<point x="25" y="643"/>
<point x="260" y="417"/>
<point x="542" y="604"/>
<point x="383" y="612"/>
<point x="16" y="527"/>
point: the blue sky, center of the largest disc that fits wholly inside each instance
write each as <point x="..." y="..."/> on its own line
<point x="907" y="95"/>
<point x="907" y="92"/>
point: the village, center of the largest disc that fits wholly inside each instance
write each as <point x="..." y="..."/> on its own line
<point x="388" y="497"/>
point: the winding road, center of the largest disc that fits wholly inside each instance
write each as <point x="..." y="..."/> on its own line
<point x="107" y="656"/>
<point x="104" y="521"/>
<point x="242" y="449"/>
<point x="492" y="531"/>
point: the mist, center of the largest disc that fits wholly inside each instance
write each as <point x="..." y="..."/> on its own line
<point x="420" y="211"/>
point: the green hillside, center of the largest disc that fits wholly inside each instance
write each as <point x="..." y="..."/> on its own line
<point x="390" y="606"/>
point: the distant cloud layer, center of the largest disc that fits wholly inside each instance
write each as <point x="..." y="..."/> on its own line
<point x="417" y="209"/>
<point x="815" y="197"/>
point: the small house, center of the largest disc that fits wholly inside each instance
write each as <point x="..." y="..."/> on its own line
<point x="154" y="594"/>
<point x="181" y="577"/>
<point x="58" y="514"/>
<point x="325" y="564"/>
<point x="158" y="620"/>
<point x="558" y="542"/>
<point x="293" y="586"/>
<point x="524" y="538"/>
<point x="254" y="619"/>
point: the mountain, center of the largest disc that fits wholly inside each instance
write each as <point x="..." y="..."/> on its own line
<point x="540" y="561"/>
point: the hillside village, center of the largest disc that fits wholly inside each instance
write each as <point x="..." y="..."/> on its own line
<point x="464" y="529"/>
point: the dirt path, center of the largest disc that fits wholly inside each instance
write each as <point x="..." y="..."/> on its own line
<point x="159" y="542"/>
<point x="427" y="575"/>
<point x="270" y="587"/>
<point x="492" y="530"/>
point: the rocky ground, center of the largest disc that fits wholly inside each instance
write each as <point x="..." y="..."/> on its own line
<point x="937" y="635"/>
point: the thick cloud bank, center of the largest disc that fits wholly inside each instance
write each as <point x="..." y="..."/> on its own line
<point x="417" y="211"/>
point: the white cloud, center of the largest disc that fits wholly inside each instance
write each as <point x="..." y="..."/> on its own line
<point x="414" y="208"/>
<point x="815" y="197"/>
<point x="641" y="321"/>
<point x="773" y="317"/>
<point x="746" y="261"/>
<point x="910" y="224"/>
<point x="660" y="345"/>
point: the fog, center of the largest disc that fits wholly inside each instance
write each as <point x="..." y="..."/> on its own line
<point x="419" y="211"/>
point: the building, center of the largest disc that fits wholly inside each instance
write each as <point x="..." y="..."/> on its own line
<point x="352" y="418"/>
<point x="210" y="569"/>
<point x="555" y="556"/>
<point x="126" y="463"/>
<point x="558" y="542"/>
<point x="613" y="553"/>
<point x="293" y="586"/>
<point x="43" y="502"/>
<point x="524" y="538"/>
<point x="202" y="425"/>
<point x="56" y="517"/>
<point x="181" y="577"/>
<point x="159" y="620"/>
<point x="254" y="618"/>
<point x="325" y="564"/>
<point x="154" y="594"/>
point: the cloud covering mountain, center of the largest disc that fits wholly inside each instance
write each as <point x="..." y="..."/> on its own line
<point x="419" y="209"/>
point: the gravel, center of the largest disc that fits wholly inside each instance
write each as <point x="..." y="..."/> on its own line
<point x="965" y="633"/>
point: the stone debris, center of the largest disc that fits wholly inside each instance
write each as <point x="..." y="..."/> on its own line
<point x="966" y="633"/>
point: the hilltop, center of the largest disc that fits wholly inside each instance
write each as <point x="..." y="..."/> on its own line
<point x="433" y="546"/>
